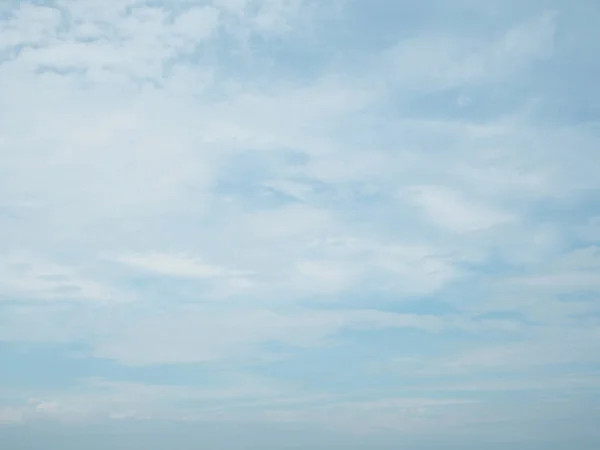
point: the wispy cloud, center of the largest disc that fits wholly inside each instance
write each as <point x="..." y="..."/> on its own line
<point x="28" y="278"/>
<point x="436" y="61"/>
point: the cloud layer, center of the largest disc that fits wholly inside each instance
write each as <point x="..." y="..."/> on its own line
<point x="375" y="220"/>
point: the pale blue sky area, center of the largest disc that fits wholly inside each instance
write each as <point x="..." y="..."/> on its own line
<point x="244" y="224"/>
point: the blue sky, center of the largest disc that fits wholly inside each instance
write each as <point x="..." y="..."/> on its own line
<point x="298" y="223"/>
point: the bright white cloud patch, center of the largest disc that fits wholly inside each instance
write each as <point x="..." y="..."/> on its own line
<point x="370" y="220"/>
<point x="173" y="266"/>
<point x="449" y="210"/>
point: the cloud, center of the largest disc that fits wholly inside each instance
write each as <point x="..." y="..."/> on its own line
<point x="256" y="192"/>
<point x="573" y="273"/>
<point x="11" y="415"/>
<point x="437" y="62"/>
<point x="26" y="277"/>
<point x="30" y="25"/>
<point x="448" y="210"/>
<point x="201" y="335"/>
<point x="173" y="265"/>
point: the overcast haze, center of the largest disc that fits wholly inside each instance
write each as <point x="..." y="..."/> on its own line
<point x="307" y="224"/>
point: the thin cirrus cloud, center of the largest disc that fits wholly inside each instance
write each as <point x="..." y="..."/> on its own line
<point x="449" y="210"/>
<point x="242" y="223"/>
<point x="173" y="266"/>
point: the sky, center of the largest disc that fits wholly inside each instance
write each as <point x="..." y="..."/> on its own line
<point x="244" y="224"/>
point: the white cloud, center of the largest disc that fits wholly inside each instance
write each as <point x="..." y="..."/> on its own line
<point x="576" y="271"/>
<point x="11" y="415"/>
<point x="174" y="265"/>
<point x="26" y="277"/>
<point x="291" y="221"/>
<point x="448" y="209"/>
<point x="552" y="347"/>
<point x="326" y="276"/>
<point x="266" y="17"/>
<point x="197" y="24"/>
<point x="29" y="25"/>
<point x="116" y="46"/>
<point x="137" y="335"/>
<point x="438" y="62"/>
<point x="200" y="334"/>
